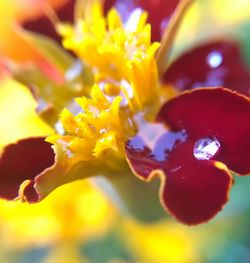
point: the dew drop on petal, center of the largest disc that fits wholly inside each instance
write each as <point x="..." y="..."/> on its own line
<point x="206" y="148"/>
<point x="214" y="59"/>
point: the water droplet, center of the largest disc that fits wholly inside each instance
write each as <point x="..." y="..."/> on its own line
<point x="214" y="59"/>
<point x="206" y="148"/>
<point x="112" y="90"/>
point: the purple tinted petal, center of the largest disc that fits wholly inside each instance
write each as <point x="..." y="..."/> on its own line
<point x="193" y="191"/>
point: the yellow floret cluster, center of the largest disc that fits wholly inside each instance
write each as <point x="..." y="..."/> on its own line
<point x="123" y="64"/>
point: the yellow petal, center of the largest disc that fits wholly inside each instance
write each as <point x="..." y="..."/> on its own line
<point x="17" y="111"/>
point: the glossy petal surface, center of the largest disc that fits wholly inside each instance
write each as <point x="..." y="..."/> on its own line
<point x="186" y="182"/>
<point x="216" y="112"/>
<point x="140" y="158"/>
<point x="194" y="191"/>
<point x="18" y="116"/>
<point x="209" y="127"/>
<point x="215" y="64"/>
<point x="145" y="156"/>
<point x="159" y="12"/>
<point x="23" y="161"/>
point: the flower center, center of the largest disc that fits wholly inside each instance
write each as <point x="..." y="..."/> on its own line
<point x="122" y="64"/>
<point x="206" y="148"/>
<point x="112" y="90"/>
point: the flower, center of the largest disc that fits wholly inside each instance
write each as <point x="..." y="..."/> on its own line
<point x="123" y="86"/>
<point x="74" y="151"/>
<point x="189" y="155"/>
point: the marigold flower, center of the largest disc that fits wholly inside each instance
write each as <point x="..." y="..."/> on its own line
<point x="110" y="128"/>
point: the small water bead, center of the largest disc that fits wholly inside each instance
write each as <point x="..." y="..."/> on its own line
<point x="214" y="59"/>
<point x="206" y="148"/>
<point x="111" y="89"/>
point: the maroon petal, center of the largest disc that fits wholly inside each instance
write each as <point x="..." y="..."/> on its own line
<point x="159" y="12"/>
<point x="23" y="161"/>
<point x="216" y="113"/>
<point x="193" y="191"/>
<point x="143" y="158"/>
<point x="215" y="64"/>
<point x="29" y="192"/>
<point x="44" y="25"/>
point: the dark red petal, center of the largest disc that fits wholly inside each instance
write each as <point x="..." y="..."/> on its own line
<point x="215" y="112"/>
<point x="159" y="12"/>
<point x="29" y="193"/>
<point x="215" y="64"/>
<point x="194" y="191"/>
<point x="143" y="158"/>
<point x="23" y="161"/>
<point x="140" y="157"/>
<point x="44" y="25"/>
